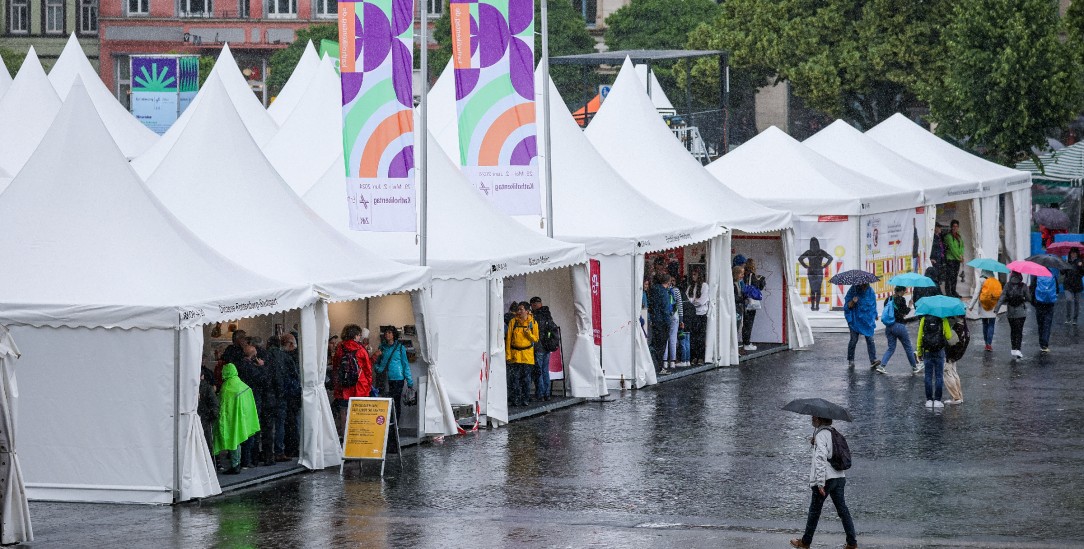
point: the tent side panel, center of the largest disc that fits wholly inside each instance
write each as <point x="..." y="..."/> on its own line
<point x="95" y="413"/>
<point x="460" y="321"/>
<point x="619" y="322"/>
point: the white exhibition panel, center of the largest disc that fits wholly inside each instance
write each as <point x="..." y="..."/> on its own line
<point x="95" y="412"/>
<point x="770" y="322"/>
<point x="888" y="248"/>
<point x="839" y="237"/>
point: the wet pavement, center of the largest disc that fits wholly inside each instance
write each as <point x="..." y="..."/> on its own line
<point x="703" y="461"/>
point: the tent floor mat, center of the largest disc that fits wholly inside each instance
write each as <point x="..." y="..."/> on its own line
<point x="538" y="408"/>
<point x="763" y="350"/>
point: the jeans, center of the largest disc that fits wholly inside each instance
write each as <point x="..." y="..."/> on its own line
<point x="671" y="340"/>
<point x="518" y="385"/>
<point x="235" y="457"/>
<point x="871" y="347"/>
<point x="1072" y="305"/>
<point x="951" y="276"/>
<point x="698" y="337"/>
<point x="898" y="332"/>
<point x="395" y="393"/>
<point x="659" y="333"/>
<point x="747" y="326"/>
<point x="833" y="487"/>
<point x="935" y="373"/>
<point x="1016" y="331"/>
<point x="542" y="380"/>
<point x="988" y="330"/>
<point x="1044" y="315"/>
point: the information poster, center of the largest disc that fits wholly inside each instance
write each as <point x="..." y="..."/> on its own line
<point x="366" y="434"/>
<point x="155" y="87"/>
<point x="892" y="244"/>
<point x="826" y="246"/>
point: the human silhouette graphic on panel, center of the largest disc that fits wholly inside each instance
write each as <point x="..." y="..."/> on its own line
<point x="814" y="261"/>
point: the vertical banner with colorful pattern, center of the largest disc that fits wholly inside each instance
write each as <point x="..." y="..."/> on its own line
<point x="376" y="60"/>
<point x="493" y="58"/>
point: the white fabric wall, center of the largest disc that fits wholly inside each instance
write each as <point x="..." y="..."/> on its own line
<point x="799" y="331"/>
<point x="437" y="411"/>
<point x="1018" y="224"/>
<point x="722" y="332"/>
<point x="15" y="526"/>
<point x="991" y="227"/>
<point x="584" y="373"/>
<point x="460" y="318"/>
<point x="95" y="412"/>
<point x="198" y="478"/>
<point x="625" y="354"/>
<point x="496" y="397"/>
<point x="319" y="441"/>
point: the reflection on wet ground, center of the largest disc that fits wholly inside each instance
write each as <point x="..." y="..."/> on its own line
<point x="704" y="461"/>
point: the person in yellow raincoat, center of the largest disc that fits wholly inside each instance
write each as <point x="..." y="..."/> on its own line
<point x="519" y="341"/>
<point x="237" y="417"/>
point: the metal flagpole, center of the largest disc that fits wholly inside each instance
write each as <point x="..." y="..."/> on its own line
<point x="546" y="148"/>
<point x="421" y="138"/>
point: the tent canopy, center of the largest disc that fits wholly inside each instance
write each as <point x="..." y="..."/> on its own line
<point x="909" y="140"/>
<point x="26" y="111"/>
<point x="295" y="86"/>
<point x="132" y="137"/>
<point x="5" y="77"/>
<point x="253" y="115"/>
<point x="843" y="144"/>
<point x="777" y="171"/>
<point x="80" y="263"/>
<point x="1063" y="167"/>
<point x="633" y="138"/>
<point x="219" y="183"/>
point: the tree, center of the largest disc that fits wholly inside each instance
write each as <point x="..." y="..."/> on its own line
<point x="852" y="59"/>
<point x="284" y="61"/>
<point x="660" y="24"/>
<point x="12" y="60"/>
<point x="568" y="35"/>
<point x="1007" y="78"/>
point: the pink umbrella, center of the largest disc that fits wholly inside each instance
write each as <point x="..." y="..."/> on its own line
<point x="1029" y="268"/>
<point x="1062" y="248"/>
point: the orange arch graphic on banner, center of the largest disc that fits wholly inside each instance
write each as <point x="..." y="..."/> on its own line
<point x="508" y="122"/>
<point x="392" y="128"/>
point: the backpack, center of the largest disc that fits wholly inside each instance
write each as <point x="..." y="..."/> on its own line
<point x="841" y="452"/>
<point x="888" y="315"/>
<point x="348" y="369"/>
<point x="1046" y="290"/>
<point x="933" y="334"/>
<point x="550" y="338"/>
<point x="1015" y="295"/>
<point x="990" y="293"/>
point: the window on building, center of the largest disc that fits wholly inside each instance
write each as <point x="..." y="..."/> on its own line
<point x="242" y="8"/>
<point x="327" y="8"/>
<point x="122" y="70"/>
<point x="88" y="16"/>
<point x="54" y="16"/>
<point x="436" y="7"/>
<point x="196" y="8"/>
<point x="282" y="8"/>
<point x="138" y="7"/>
<point x="19" y="16"/>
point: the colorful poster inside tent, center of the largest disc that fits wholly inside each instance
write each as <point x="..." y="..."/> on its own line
<point x="493" y="58"/>
<point x="330" y="48"/>
<point x="376" y="60"/>
<point x="155" y="87"/>
<point x="826" y="246"/>
<point x="188" y="74"/>
<point x="892" y="244"/>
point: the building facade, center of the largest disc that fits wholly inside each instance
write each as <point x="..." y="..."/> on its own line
<point x="47" y="24"/>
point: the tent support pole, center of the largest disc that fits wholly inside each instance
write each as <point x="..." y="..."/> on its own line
<point x="546" y="144"/>
<point x="423" y="131"/>
<point x="632" y="333"/>
<point x="176" y="415"/>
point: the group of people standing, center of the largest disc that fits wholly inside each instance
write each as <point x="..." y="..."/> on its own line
<point x="672" y="305"/>
<point x="250" y="405"/>
<point x="357" y="369"/>
<point x="530" y="336"/>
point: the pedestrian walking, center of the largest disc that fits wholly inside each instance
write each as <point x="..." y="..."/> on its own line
<point x="1015" y="296"/>
<point x="953" y="354"/>
<point x="825" y="481"/>
<point x="934" y="335"/>
<point x="519" y="355"/>
<point x="1074" y="286"/>
<point x="954" y="255"/>
<point x="861" y="315"/>
<point x="751" y="280"/>
<point x="984" y="306"/>
<point x="1044" y="292"/>
<point x="894" y="317"/>
<point x="919" y="293"/>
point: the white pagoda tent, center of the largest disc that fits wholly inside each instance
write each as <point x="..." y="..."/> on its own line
<point x="633" y="138"/>
<point x="5" y="77"/>
<point x="107" y="293"/>
<point x="290" y="95"/>
<point x="26" y="112"/>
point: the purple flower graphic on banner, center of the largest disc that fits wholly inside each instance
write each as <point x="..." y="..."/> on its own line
<point x="377" y="37"/>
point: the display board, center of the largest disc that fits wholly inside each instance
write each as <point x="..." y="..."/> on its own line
<point x="768" y="326"/>
<point x="367" y="423"/>
<point x="826" y="246"/>
<point x="162" y="87"/>
<point x="893" y="243"/>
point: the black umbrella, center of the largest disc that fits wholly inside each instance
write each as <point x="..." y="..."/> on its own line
<point x="818" y="407"/>
<point x="1051" y="262"/>
<point x="854" y="276"/>
<point x="1051" y="218"/>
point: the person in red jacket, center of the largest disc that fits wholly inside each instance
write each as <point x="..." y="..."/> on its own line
<point x="354" y="340"/>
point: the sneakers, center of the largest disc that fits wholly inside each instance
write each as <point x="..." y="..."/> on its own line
<point x="750" y="347"/>
<point x="918" y="368"/>
<point x="683" y="364"/>
<point x="1046" y="350"/>
<point x="797" y="542"/>
<point x="873" y="365"/>
<point x="879" y="369"/>
<point x="938" y="404"/>
<point x="929" y="404"/>
<point x="956" y="401"/>
<point x="850" y="364"/>
<point x="1016" y="353"/>
<point x="989" y="348"/>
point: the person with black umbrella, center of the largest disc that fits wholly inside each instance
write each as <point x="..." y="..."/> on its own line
<point x="860" y="311"/>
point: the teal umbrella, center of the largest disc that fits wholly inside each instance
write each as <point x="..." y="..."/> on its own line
<point x="942" y="306"/>
<point x="987" y="264"/>
<point x="912" y="280"/>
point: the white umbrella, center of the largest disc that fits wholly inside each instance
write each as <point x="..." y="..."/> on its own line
<point x="15" y="527"/>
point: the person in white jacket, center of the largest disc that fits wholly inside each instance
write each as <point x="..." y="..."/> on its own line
<point x="700" y="297"/>
<point x="824" y="481"/>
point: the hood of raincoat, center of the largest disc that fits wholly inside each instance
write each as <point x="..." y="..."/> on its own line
<point x="237" y="417"/>
<point x="863" y="317"/>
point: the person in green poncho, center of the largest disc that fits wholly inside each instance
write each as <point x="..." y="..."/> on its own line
<point x="237" y="417"/>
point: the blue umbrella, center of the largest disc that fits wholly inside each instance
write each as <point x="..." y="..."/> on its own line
<point x="854" y="276"/>
<point x="912" y="280"/>
<point x="987" y="264"/>
<point x="942" y="306"/>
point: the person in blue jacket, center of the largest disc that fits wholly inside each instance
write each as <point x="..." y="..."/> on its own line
<point x="393" y="362"/>
<point x="861" y="314"/>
